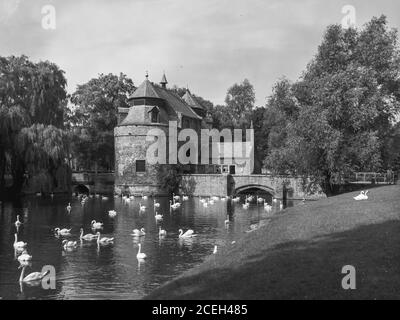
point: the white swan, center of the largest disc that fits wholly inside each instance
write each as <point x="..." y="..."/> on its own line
<point x="267" y="207"/>
<point x="227" y="221"/>
<point x="156" y="204"/>
<point x="205" y="204"/>
<point x="104" y="240"/>
<point x="260" y="199"/>
<point x="158" y="216"/>
<point x="280" y="205"/>
<point x="69" y="244"/>
<point x="161" y="232"/>
<point x="144" y="197"/>
<point x="142" y="208"/>
<point x="96" y="225"/>
<point x="176" y="197"/>
<point x="87" y="237"/>
<point x="236" y="199"/>
<point x="185" y="198"/>
<point x="112" y="213"/>
<point x="138" y="233"/>
<point x="18" y="223"/>
<point x="104" y="198"/>
<point x="365" y="195"/>
<point x="69" y="207"/>
<point x="188" y="234"/>
<point x="360" y="196"/>
<point x="34" y="276"/>
<point x="141" y="255"/>
<point x="62" y="232"/>
<point x="24" y="257"/>
<point x="246" y="204"/>
<point x="202" y="200"/>
<point x="19" y="244"/>
<point x="215" y="250"/>
<point x="274" y="200"/>
<point x="173" y="206"/>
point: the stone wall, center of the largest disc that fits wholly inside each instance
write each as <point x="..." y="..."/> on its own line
<point x="204" y="185"/>
<point x="131" y="145"/>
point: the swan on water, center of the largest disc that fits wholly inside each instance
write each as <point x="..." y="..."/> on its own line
<point x="138" y="233"/>
<point x="185" y="198"/>
<point x="144" y="197"/>
<point x="112" y="213"/>
<point x="158" y="216"/>
<point x="24" y="257"/>
<point x="18" y="223"/>
<point x="69" y="207"/>
<point x="96" y="225"/>
<point x="161" y="232"/>
<point x="142" y="208"/>
<point x="87" y="237"/>
<point x="156" y="204"/>
<point x="140" y="255"/>
<point x="19" y="244"/>
<point x="62" y="232"/>
<point x="103" y="240"/>
<point x="215" y="249"/>
<point x="34" y="276"/>
<point x="188" y="234"/>
<point x="69" y="244"/>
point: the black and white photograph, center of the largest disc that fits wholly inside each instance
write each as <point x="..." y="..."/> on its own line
<point x="216" y="151"/>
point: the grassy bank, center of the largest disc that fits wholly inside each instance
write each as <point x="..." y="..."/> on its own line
<point x="301" y="252"/>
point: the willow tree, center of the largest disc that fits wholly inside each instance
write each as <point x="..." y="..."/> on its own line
<point x="32" y="99"/>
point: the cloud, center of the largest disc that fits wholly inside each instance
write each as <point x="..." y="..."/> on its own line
<point x="208" y="44"/>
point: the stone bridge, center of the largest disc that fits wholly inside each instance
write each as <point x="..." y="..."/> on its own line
<point x="223" y="185"/>
<point x="90" y="182"/>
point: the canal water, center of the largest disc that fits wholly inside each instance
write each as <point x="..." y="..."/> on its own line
<point x="90" y="271"/>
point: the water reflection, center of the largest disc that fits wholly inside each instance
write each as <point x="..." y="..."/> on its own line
<point x="105" y="271"/>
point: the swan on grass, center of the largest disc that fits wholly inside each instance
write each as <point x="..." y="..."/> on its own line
<point x="19" y="244"/>
<point x="141" y="255"/>
<point x="188" y="234"/>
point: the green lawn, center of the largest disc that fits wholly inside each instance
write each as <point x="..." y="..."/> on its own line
<point x="301" y="252"/>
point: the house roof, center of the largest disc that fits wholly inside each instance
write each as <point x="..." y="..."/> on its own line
<point x="145" y="90"/>
<point x="192" y="101"/>
<point x="149" y="90"/>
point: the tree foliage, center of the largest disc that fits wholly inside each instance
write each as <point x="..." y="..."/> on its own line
<point x="94" y="117"/>
<point x="336" y="119"/>
<point x="32" y="99"/>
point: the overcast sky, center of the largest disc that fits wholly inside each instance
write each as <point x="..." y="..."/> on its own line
<point x="208" y="45"/>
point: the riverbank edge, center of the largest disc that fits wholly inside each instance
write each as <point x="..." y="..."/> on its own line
<point x="250" y="268"/>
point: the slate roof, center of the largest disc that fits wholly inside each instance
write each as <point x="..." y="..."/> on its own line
<point x="192" y="101"/>
<point x="149" y="90"/>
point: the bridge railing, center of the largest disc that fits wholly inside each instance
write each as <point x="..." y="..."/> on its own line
<point x="371" y="177"/>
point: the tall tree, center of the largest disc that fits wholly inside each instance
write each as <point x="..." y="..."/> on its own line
<point x="347" y="100"/>
<point x="94" y="117"/>
<point x="32" y="97"/>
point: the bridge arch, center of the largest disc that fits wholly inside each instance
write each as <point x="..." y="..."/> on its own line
<point x="82" y="188"/>
<point x="243" y="189"/>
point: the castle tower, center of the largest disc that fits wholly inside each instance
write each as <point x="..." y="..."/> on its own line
<point x="151" y="106"/>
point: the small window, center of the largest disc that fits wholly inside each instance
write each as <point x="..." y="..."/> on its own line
<point x="155" y="115"/>
<point x="140" y="165"/>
